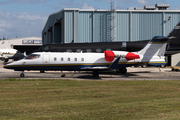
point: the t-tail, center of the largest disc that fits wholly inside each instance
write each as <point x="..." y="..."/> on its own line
<point x="154" y="51"/>
<point x="155" y="47"/>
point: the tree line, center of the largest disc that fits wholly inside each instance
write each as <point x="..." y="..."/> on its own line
<point x="4" y="38"/>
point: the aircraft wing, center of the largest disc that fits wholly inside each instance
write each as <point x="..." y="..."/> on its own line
<point x="112" y="66"/>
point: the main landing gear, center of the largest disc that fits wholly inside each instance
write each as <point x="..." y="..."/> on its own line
<point x="22" y="74"/>
<point x="122" y="70"/>
<point x="96" y="73"/>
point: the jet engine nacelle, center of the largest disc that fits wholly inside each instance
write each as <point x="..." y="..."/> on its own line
<point x="110" y="55"/>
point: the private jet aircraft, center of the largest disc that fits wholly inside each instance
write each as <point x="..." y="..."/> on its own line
<point x="6" y="54"/>
<point x="152" y="53"/>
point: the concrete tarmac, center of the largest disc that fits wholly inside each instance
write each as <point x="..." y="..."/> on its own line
<point x="138" y="73"/>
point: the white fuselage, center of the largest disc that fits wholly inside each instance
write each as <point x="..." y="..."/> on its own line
<point x="76" y="61"/>
<point x="6" y="53"/>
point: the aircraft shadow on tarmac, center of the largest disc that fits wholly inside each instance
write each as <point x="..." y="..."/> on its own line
<point x="81" y="75"/>
<point x="110" y="75"/>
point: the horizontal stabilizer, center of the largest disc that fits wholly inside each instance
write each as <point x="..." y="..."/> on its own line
<point x="155" y="47"/>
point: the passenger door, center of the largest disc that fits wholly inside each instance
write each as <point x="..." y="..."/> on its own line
<point x="46" y="59"/>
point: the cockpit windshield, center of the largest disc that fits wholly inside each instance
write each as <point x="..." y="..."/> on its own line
<point x="32" y="56"/>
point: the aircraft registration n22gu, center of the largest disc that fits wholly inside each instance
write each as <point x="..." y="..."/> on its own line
<point x="152" y="53"/>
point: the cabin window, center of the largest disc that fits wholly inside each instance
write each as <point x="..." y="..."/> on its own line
<point x="32" y="56"/>
<point x="62" y="59"/>
<point x="88" y="50"/>
<point x="98" y="50"/>
<point x="68" y="59"/>
<point x="69" y="50"/>
<point x="55" y="59"/>
<point x="82" y="59"/>
<point x="108" y="49"/>
<point x="75" y="59"/>
<point x="78" y="50"/>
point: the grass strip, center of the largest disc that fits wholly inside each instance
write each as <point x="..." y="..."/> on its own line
<point x="69" y="99"/>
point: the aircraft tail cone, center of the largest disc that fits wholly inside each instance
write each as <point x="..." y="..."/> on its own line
<point x="131" y="56"/>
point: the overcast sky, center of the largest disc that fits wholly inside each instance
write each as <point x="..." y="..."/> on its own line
<point x="26" y="18"/>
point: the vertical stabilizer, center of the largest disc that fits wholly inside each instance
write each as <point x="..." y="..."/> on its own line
<point x="176" y="34"/>
<point x="155" y="47"/>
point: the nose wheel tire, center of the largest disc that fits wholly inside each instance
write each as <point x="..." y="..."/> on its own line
<point x="22" y="75"/>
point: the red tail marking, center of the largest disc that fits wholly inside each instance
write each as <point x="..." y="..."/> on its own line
<point x="131" y="56"/>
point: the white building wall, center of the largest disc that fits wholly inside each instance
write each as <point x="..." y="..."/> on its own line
<point x="175" y="60"/>
<point x="31" y="41"/>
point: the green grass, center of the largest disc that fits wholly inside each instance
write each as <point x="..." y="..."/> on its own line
<point x="82" y="100"/>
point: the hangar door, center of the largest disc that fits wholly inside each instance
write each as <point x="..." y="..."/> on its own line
<point x="26" y="48"/>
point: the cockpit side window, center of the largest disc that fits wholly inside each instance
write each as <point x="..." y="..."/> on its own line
<point x="32" y="56"/>
<point x="46" y="48"/>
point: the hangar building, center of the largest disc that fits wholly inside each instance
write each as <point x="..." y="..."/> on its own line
<point x="113" y="25"/>
<point x="94" y="25"/>
<point x="24" y="45"/>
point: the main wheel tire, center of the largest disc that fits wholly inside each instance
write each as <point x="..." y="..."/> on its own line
<point x="63" y="75"/>
<point x="22" y="75"/>
<point x="96" y="73"/>
<point x="144" y="66"/>
<point x="42" y="71"/>
<point x="122" y="70"/>
<point x="163" y="66"/>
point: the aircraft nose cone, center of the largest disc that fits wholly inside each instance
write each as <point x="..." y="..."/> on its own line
<point x="9" y="65"/>
<point x="5" y="66"/>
